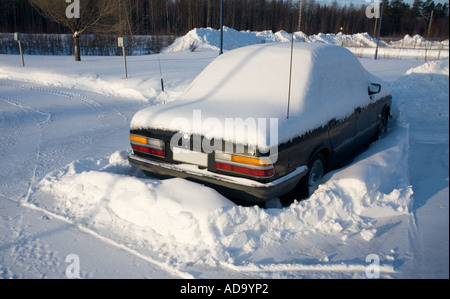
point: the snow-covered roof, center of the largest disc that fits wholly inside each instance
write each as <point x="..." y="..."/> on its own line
<point x="252" y="82"/>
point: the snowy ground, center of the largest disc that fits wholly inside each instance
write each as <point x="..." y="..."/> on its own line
<point x="67" y="190"/>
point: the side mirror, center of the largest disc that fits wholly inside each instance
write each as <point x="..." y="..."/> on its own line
<point x="374" y="88"/>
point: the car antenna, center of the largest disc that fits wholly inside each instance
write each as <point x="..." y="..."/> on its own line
<point x="292" y="55"/>
<point x="162" y="80"/>
<point x="290" y="75"/>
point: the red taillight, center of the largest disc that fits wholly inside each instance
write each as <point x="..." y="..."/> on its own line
<point x="244" y="170"/>
<point x="147" y="145"/>
<point x="148" y="150"/>
<point x="261" y="167"/>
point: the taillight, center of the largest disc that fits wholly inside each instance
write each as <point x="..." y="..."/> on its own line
<point x="252" y="166"/>
<point x="147" y="145"/>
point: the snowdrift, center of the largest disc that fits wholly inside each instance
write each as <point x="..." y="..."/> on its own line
<point x="209" y="38"/>
<point x="188" y="223"/>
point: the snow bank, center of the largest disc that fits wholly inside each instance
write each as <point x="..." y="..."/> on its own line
<point x="430" y="101"/>
<point x="201" y="38"/>
<point x="410" y="41"/>
<point x="210" y="38"/>
<point x="433" y="67"/>
<point x="361" y="44"/>
<point x="188" y="223"/>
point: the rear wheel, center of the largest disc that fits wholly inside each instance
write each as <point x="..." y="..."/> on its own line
<point x="311" y="181"/>
<point x="382" y="126"/>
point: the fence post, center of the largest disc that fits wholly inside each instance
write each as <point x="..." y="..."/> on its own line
<point x="122" y="41"/>
<point x="440" y="47"/>
<point x="17" y="37"/>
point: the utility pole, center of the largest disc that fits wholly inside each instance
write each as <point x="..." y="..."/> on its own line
<point x="429" y="25"/>
<point x="379" y="30"/>
<point x="221" y="27"/>
<point x="300" y="16"/>
<point x="292" y="57"/>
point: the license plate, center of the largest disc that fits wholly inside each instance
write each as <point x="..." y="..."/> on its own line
<point x="190" y="157"/>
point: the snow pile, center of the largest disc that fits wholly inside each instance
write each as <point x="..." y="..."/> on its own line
<point x="209" y="38"/>
<point x="354" y="40"/>
<point x="188" y="223"/>
<point x="430" y="101"/>
<point x="433" y="67"/>
<point x="361" y="44"/>
<point x="408" y="41"/>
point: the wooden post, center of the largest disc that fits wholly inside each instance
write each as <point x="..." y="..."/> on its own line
<point x="122" y="42"/>
<point x="17" y="37"/>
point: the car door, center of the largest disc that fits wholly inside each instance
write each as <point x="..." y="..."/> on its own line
<point x="366" y="119"/>
<point x="341" y="134"/>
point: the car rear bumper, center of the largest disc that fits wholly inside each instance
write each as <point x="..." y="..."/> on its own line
<point x="241" y="188"/>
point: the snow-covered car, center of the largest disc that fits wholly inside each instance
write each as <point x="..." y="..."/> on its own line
<point x="255" y="126"/>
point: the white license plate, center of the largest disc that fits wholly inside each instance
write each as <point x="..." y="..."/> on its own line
<point x="190" y="157"/>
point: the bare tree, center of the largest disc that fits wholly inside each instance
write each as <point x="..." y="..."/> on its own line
<point x="91" y="12"/>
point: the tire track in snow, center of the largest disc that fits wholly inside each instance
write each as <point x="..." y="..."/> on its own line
<point x="162" y="265"/>
<point x="101" y="112"/>
<point x="22" y="106"/>
<point x="33" y="254"/>
<point x="97" y="117"/>
<point x="33" y="247"/>
<point x="101" y="126"/>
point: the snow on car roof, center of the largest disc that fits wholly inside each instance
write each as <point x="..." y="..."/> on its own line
<point x="251" y="83"/>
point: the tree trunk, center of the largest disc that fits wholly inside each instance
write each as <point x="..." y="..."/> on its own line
<point x="76" y="43"/>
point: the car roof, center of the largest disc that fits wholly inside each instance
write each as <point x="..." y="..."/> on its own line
<point x="328" y="82"/>
<point x="263" y="71"/>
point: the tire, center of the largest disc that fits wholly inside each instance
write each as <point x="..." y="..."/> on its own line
<point x="311" y="181"/>
<point x="382" y="126"/>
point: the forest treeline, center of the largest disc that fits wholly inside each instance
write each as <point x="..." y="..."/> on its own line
<point x="177" y="17"/>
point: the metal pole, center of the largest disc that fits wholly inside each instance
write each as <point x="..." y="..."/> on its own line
<point x="290" y="77"/>
<point x="21" y="53"/>
<point x="290" y="64"/>
<point x="379" y="30"/>
<point x="221" y="27"/>
<point x="125" y="62"/>
<point x="300" y="16"/>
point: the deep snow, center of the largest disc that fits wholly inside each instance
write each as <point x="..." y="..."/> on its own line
<point x="67" y="189"/>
